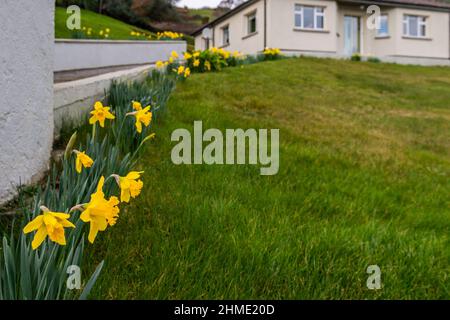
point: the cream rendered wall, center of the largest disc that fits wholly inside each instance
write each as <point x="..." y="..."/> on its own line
<point x="436" y="44"/>
<point x="371" y="45"/>
<point x="238" y="31"/>
<point x="26" y="91"/>
<point x="283" y="34"/>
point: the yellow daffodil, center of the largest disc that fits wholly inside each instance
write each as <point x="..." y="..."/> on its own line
<point x="180" y="70"/>
<point x="174" y="54"/>
<point x="82" y="160"/>
<point x="159" y="64"/>
<point x="208" y="65"/>
<point x="143" y="116"/>
<point x="187" y="72"/>
<point x="100" y="113"/>
<point x="107" y="30"/>
<point x="130" y="185"/>
<point x="187" y="56"/>
<point x="101" y="32"/>
<point x="196" y="63"/>
<point x="236" y="54"/>
<point x="49" y="224"/>
<point x="132" y="33"/>
<point x="171" y="60"/>
<point x="196" y="54"/>
<point x="137" y="105"/>
<point x="99" y="212"/>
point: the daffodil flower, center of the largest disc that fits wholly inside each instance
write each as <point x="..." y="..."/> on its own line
<point x="187" y="56"/>
<point x="100" y="113"/>
<point x="187" y="72"/>
<point x="49" y="224"/>
<point x="130" y="185"/>
<point x="160" y="64"/>
<point x="137" y="105"/>
<point x="82" y="160"/>
<point x="196" y="63"/>
<point x="99" y="212"/>
<point x="143" y="116"/>
<point x="180" y="70"/>
<point x="174" y="54"/>
<point x="208" y="65"/>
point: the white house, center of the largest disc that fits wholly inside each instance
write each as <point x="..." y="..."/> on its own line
<point x="410" y="31"/>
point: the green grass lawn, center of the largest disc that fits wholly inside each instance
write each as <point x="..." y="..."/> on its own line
<point x="89" y="19"/>
<point x="364" y="179"/>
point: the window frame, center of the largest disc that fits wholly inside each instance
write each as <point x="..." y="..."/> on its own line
<point x="316" y="15"/>
<point x="381" y="33"/>
<point x="227" y="29"/>
<point x="421" y="22"/>
<point x="251" y="16"/>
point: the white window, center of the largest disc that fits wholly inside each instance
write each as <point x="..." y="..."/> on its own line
<point x="414" y="26"/>
<point x="226" y="35"/>
<point x="307" y="17"/>
<point x="251" y="23"/>
<point x="383" y="26"/>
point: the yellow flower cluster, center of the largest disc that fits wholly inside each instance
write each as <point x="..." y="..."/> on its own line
<point x="103" y="33"/>
<point x="139" y="34"/>
<point x="272" y="51"/>
<point x="169" y="35"/>
<point x="99" y="212"/>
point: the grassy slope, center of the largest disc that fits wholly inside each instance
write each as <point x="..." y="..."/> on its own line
<point x="364" y="179"/>
<point x="119" y="29"/>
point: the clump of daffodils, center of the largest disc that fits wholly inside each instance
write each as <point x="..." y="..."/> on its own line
<point x="213" y="59"/>
<point x="138" y="35"/>
<point x="169" y="35"/>
<point x="272" y="53"/>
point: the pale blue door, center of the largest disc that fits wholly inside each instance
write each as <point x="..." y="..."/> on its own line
<point x="351" y="35"/>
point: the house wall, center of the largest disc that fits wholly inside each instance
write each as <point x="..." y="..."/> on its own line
<point x="283" y="34"/>
<point x="26" y="91"/>
<point x="436" y="44"/>
<point x="238" y="32"/>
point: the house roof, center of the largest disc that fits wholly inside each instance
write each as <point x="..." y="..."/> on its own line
<point x="436" y="4"/>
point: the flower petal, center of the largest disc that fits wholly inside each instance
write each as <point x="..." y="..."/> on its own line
<point x="34" y="224"/>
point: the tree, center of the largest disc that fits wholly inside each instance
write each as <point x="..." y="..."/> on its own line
<point x="159" y="10"/>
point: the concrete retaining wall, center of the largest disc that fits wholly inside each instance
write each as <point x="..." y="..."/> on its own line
<point x="90" y="54"/>
<point x="26" y="91"/>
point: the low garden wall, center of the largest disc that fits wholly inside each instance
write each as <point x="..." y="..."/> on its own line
<point x="93" y="54"/>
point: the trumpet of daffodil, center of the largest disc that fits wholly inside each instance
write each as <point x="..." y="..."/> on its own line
<point x="187" y="56"/>
<point x="174" y="54"/>
<point x="82" y="160"/>
<point x="137" y="106"/>
<point x="99" y="212"/>
<point x="100" y="113"/>
<point x="143" y="116"/>
<point x="196" y="62"/>
<point x="130" y="185"/>
<point x="187" y="72"/>
<point x="49" y="224"/>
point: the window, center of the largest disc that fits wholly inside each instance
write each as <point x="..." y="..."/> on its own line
<point x="414" y="26"/>
<point x="251" y="23"/>
<point x="226" y="35"/>
<point x="307" y="17"/>
<point x="383" y="26"/>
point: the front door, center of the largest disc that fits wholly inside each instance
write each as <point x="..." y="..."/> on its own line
<point x="351" y="35"/>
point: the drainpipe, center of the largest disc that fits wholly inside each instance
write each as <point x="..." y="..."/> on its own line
<point x="265" y="25"/>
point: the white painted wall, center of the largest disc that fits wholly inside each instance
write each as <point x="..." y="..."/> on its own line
<point x="26" y="91"/>
<point x="107" y="53"/>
